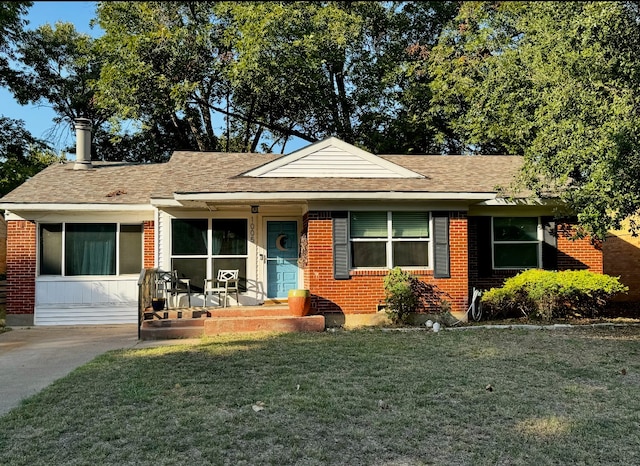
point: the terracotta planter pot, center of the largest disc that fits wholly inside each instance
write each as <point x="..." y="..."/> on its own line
<point x="299" y="302"/>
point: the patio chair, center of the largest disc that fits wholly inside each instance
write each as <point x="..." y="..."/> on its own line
<point x="176" y="286"/>
<point x="225" y="283"/>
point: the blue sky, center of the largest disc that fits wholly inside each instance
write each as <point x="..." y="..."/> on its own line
<point x="39" y="119"/>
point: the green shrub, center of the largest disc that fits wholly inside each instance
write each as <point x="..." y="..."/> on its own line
<point x="546" y="294"/>
<point x="399" y="295"/>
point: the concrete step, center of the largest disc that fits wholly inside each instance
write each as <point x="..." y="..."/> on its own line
<point x="243" y="321"/>
<point x="215" y="326"/>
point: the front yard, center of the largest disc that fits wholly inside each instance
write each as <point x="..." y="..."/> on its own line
<point x="470" y="396"/>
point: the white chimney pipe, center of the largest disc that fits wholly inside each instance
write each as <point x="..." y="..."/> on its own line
<point x="83" y="144"/>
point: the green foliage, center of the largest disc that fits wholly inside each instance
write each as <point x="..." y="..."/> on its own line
<point x="273" y="70"/>
<point x="544" y="294"/>
<point x="21" y="155"/>
<point x="399" y="295"/>
<point x="553" y="81"/>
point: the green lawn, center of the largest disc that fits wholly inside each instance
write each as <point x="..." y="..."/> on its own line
<point x="345" y="398"/>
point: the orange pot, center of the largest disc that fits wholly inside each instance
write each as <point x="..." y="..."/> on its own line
<point x="299" y="302"/>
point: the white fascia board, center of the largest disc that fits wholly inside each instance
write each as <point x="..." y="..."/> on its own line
<point x="41" y="207"/>
<point x="165" y="202"/>
<point x="395" y="205"/>
<point x="320" y="196"/>
<point x="401" y="172"/>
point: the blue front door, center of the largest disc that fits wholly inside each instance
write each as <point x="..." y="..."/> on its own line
<point x="282" y="258"/>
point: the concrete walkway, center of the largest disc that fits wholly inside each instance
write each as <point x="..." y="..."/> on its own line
<point x="31" y="358"/>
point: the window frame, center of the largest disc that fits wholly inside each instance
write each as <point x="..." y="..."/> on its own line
<point x="209" y="257"/>
<point x="538" y="242"/>
<point x="389" y="240"/>
<point x="63" y="245"/>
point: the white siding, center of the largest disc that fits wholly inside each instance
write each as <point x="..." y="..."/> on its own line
<point x="332" y="162"/>
<point x="163" y="232"/>
<point x="86" y="301"/>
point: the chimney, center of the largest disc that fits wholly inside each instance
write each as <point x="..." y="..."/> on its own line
<point x="83" y="144"/>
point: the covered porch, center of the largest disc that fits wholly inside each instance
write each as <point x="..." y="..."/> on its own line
<point x="193" y="321"/>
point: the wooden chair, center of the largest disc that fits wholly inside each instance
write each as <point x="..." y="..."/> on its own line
<point x="226" y="282"/>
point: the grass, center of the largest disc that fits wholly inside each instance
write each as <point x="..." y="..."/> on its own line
<point x="471" y="396"/>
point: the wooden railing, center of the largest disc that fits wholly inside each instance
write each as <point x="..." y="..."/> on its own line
<point x="146" y="288"/>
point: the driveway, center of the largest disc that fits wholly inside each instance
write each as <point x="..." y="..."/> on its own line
<point x="33" y="357"/>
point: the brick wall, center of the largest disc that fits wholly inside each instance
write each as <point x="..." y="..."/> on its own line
<point x="621" y="257"/>
<point x="577" y="254"/>
<point x="21" y="267"/>
<point x="3" y="245"/>
<point x="149" y="244"/>
<point x="364" y="290"/>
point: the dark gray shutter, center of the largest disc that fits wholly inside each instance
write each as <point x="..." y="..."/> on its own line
<point x="483" y="245"/>
<point x="441" y="267"/>
<point x="549" y="244"/>
<point x="341" y="245"/>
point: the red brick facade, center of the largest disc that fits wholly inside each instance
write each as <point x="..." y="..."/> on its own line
<point x="577" y="254"/>
<point x="361" y="293"/>
<point x="21" y="267"/>
<point x="149" y="235"/>
<point x="3" y="246"/>
<point x="364" y="291"/>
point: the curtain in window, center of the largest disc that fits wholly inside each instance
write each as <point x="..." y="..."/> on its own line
<point x="410" y="224"/>
<point x="90" y="249"/>
<point x="368" y="225"/>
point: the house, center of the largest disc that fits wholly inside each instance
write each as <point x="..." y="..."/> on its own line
<point x="329" y="217"/>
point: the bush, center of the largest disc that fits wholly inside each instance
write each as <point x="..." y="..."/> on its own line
<point x="545" y="294"/>
<point x="399" y="295"/>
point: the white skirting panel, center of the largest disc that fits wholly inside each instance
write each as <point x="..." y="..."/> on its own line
<point x="86" y="301"/>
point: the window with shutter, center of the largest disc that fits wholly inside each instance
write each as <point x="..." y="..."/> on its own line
<point x="389" y="239"/>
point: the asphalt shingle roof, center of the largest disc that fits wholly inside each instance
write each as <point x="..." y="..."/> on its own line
<point x="215" y="172"/>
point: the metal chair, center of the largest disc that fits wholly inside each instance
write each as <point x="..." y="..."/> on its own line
<point x="225" y="283"/>
<point x="169" y="284"/>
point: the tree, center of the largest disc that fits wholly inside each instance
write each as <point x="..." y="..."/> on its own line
<point x="56" y="67"/>
<point x="272" y="70"/>
<point x="556" y="82"/>
<point x="21" y="155"/>
<point x="11" y="27"/>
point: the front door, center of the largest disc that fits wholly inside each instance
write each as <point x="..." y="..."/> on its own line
<point x="282" y="257"/>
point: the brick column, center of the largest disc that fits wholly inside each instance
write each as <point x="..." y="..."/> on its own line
<point x="149" y="235"/>
<point x="21" y="272"/>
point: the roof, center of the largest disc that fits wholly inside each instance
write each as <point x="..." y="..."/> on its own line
<point x="105" y="183"/>
<point x="230" y="173"/>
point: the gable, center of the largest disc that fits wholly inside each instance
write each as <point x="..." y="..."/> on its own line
<point x="331" y="158"/>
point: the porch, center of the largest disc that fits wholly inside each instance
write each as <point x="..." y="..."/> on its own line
<point x="196" y="322"/>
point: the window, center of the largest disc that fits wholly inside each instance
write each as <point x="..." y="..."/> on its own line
<point x="516" y="242"/>
<point x="194" y="243"/>
<point x="389" y="239"/>
<point x="72" y="249"/>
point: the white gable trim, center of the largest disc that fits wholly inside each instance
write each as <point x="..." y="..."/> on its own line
<point x="331" y="158"/>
